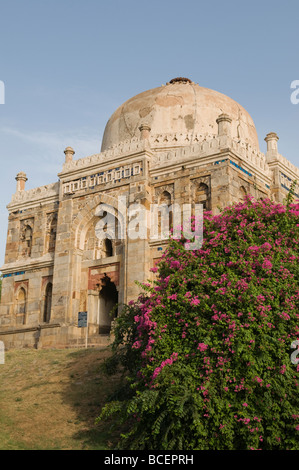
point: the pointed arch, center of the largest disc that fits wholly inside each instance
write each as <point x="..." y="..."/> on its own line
<point x="51" y="232"/>
<point x="165" y="217"/>
<point x="108" y="300"/>
<point x="242" y="193"/>
<point x="26" y="240"/>
<point x="165" y="198"/>
<point x="201" y="193"/>
<point x="21" y="305"/>
<point x="88" y="215"/>
<point x="48" y="303"/>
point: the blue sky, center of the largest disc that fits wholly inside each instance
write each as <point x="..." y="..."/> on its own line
<point x="68" y="64"/>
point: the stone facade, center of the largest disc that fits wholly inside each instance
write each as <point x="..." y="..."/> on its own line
<point x="57" y="266"/>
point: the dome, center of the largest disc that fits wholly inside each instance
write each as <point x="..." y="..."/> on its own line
<point x="181" y="108"/>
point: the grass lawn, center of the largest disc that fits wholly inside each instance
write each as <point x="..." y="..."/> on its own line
<point x="49" y="400"/>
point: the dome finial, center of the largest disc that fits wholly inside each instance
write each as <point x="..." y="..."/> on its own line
<point x="271" y="140"/>
<point x="144" y="131"/>
<point x="21" y="180"/>
<point x="180" y="80"/>
<point x="224" y="124"/>
<point x="69" y="152"/>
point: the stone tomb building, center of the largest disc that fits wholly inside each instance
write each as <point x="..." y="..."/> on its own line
<point x="176" y="143"/>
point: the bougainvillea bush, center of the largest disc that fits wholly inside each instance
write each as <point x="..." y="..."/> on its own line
<point x="207" y="347"/>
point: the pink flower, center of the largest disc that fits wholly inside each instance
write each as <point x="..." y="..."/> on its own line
<point x="175" y="264"/>
<point x="202" y="347"/>
<point x="245" y="404"/>
<point x="164" y="363"/>
<point x="266" y="246"/>
<point x="195" y="301"/>
<point x="267" y="265"/>
<point x="154" y="270"/>
<point x="172" y="297"/>
<point x="259" y="380"/>
<point x="283" y="369"/>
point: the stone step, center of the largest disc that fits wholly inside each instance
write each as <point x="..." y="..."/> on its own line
<point x="93" y="341"/>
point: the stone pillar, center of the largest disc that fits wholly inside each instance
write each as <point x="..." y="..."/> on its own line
<point x="144" y="131"/>
<point x="271" y="140"/>
<point x="21" y="180"/>
<point x="69" y="152"/>
<point x="224" y="125"/>
<point x="62" y="297"/>
<point x="272" y="158"/>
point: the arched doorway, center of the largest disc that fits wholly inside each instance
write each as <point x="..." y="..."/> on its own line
<point x="48" y="303"/>
<point x="108" y="299"/>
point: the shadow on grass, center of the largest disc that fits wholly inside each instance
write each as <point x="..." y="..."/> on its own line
<point x="86" y="392"/>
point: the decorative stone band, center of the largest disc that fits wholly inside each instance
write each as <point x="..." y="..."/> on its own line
<point x="21" y="266"/>
<point x="180" y="145"/>
<point x="287" y="183"/>
<point x="212" y="147"/>
<point x="50" y="191"/>
<point x="4" y="331"/>
<point x="288" y="165"/>
<point x="126" y="148"/>
<point x="104" y="177"/>
<point x="13" y="274"/>
<point x="156" y="142"/>
<point x="181" y="148"/>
